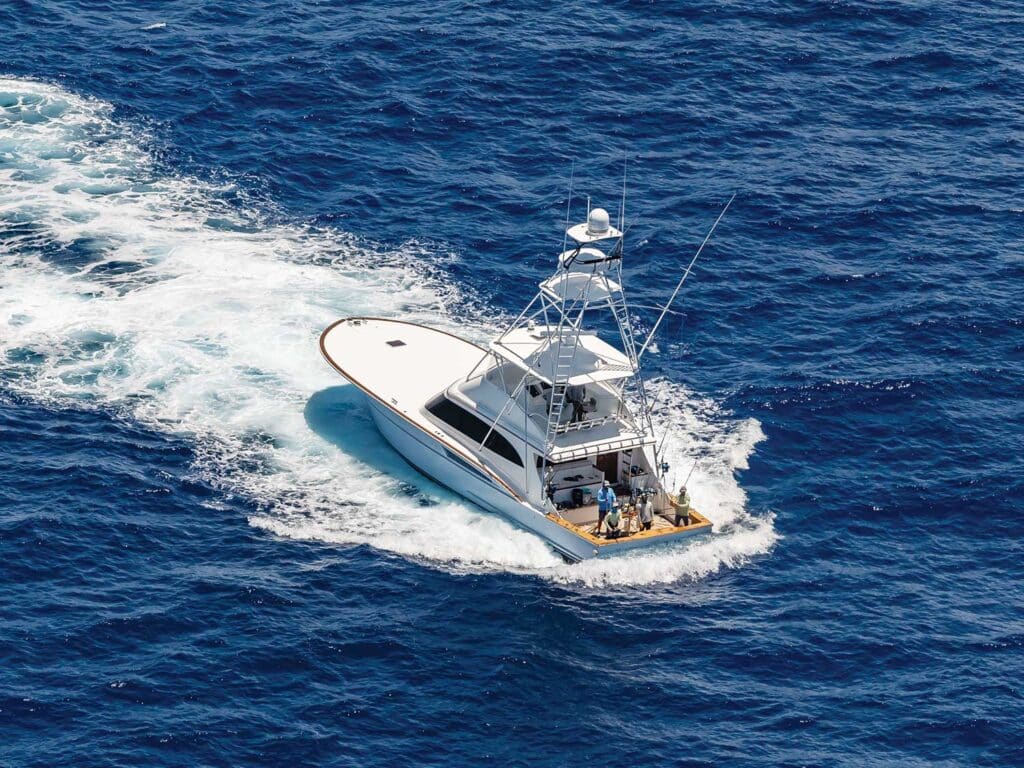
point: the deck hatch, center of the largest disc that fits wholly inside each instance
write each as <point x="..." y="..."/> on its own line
<point x="396" y="343"/>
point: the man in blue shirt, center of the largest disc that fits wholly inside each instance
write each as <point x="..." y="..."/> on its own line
<point x="605" y="501"/>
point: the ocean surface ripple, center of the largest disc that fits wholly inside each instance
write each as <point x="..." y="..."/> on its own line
<point x="209" y="555"/>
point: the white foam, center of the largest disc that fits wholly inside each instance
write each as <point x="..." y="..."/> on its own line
<point x="144" y="293"/>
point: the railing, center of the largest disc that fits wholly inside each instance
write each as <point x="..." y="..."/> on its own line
<point x="574" y="426"/>
<point x="606" y="446"/>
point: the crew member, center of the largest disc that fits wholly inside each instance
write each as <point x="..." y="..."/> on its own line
<point x="646" y="513"/>
<point x="613" y="519"/>
<point x="577" y="395"/>
<point x="605" y="502"/>
<point x="683" y="506"/>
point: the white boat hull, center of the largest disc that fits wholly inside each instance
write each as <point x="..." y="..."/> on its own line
<point x="431" y="458"/>
<point x="395" y="364"/>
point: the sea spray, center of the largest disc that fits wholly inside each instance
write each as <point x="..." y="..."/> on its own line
<point x="130" y="288"/>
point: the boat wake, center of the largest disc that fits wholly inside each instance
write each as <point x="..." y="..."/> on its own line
<point x="162" y="299"/>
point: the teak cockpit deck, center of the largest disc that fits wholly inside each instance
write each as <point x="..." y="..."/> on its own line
<point x="583" y="522"/>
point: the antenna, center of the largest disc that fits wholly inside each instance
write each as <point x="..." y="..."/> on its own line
<point x="622" y="207"/>
<point x="682" y="280"/>
<point x="568" y="205"/>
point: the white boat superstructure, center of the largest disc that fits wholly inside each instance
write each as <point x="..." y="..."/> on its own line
<point x="532" y="425"/>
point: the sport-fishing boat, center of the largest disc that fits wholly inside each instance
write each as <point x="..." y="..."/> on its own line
<point x="533" y="424"/>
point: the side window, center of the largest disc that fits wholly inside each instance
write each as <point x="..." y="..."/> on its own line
<point x="476" y="429"/>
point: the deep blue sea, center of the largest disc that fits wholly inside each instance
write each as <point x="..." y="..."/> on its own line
<point x="209" y="556"/>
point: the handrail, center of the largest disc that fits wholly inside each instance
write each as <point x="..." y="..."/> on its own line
<point x="574" y="426"/>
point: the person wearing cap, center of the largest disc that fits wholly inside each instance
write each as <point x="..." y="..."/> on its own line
<point x="645" y="512"/>
<point x="683" y="506"/>
<point x="605" y="503"/>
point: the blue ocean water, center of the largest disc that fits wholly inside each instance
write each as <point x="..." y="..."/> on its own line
<point x="208" y="555"/>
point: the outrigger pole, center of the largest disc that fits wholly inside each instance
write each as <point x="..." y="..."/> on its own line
<point x="682" y="280"/>
<point x="568" y="205"/>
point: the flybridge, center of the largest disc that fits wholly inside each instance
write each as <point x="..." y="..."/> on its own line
<point x="536" y="351"/>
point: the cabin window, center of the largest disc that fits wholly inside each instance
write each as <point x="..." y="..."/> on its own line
<point x="473" y="427"/>
<point x="538" y="388"/>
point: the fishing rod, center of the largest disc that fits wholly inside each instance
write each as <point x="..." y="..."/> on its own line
<point x="673" y="483"/>
<point x="691" y="471"/>
<point x="686" y="274"/>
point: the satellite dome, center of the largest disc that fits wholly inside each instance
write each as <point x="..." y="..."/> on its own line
<point x="597" y="222"/>
<point x="596" y="227"/>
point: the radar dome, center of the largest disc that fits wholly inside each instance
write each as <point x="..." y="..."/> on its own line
<point x="597" y="222"/>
